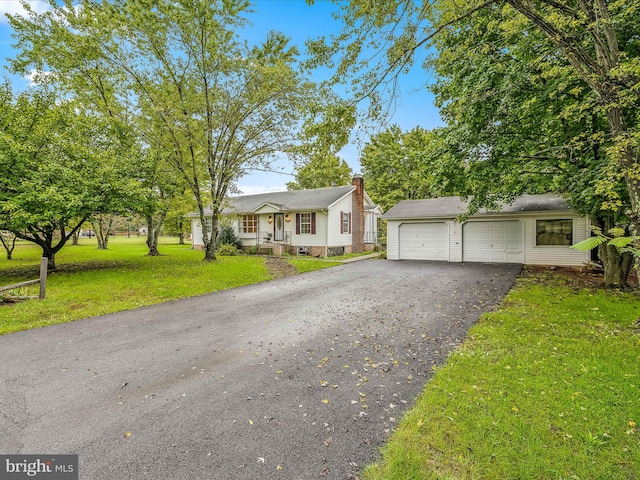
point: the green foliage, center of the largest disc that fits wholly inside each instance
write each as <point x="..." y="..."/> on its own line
<point x="405" y="166"/>
<point x="320" y="172"/>
<point x="544" y="387"/>
<point x="228" y="237"/>
<point x="227" y="250"/>
<point x="304" y="265"/>
<point x="523" y="119"/>
<point x="59" y="164"/>
<point x="92" y="282"/>
<point x="616" y="237"/>
<point x="537" y="96"/>
<point x="210" y="105"/>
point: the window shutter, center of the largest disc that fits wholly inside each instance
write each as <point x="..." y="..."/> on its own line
<point x="341" y="222"/>
<point x="297" y="224"/>
<point x="349" y="222"/>
<point x="313" y="223"/>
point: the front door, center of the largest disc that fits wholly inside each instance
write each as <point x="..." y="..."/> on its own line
<point x="278" y="227"/>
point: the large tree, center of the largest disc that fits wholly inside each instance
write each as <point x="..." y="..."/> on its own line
<point x="323" y="171"/>
<point x="537" y="95"/>
<point x="56" y="168"/>
<point x="177" y="71"/>
<point x="525" y="122"/>
<point x="401" y="165"/>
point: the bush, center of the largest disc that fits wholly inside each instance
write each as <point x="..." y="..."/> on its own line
<point x="228" y="237"/>
<point x="227" y="250"/>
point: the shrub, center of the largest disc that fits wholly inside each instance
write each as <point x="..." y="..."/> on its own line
<point x="228" y="237"/>
<point x="227" y="250"/>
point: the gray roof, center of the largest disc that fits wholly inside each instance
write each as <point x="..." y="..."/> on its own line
<point x="291" y="200"/>
<point x="451" y="207"/>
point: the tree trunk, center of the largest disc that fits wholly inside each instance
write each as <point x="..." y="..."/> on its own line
<point x="210" y="246"/>
<point x="51" y="259"/>
<point x="181" y="234"/>
<point x="75" y="237"/>
<point x="7" y="247"/>
<point x="153" y="232"/>
<point x="102" y="228"/>
<point x="616" y="266"/>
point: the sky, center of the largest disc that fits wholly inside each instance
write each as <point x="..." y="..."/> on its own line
<point x="414" y="106"/>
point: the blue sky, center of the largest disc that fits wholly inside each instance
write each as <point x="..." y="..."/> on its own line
<point x="299" y="21"/>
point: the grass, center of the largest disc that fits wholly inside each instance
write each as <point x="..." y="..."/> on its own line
<point x="546" y="387"/>
<point x="90" y="282"/>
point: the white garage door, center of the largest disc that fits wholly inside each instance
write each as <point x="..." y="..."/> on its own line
<point x="495" y="242"/>
<point x="424" y="241"/>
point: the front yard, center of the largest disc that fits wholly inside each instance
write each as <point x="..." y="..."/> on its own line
<point x="90" y="282"/>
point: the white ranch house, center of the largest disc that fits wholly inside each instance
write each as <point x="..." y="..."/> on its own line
<point x="318" y="222"/>
<point x="533" y="230"/>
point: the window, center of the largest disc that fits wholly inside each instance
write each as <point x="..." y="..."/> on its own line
<point x="248" y="224"/>
<point x="305" y="223"/>
<point x="345" y="222"/>
<point x="554" y="232"/>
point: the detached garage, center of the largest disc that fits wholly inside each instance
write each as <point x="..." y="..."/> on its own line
<point x="534" y="230"/>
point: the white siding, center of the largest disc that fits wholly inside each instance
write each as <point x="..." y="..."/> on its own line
<point x="532" y="254"/>
<point x="196" y="233"/>
<point x="334" y="237"/>
<point x="556" y="255"/>
<point x="308" y="239"/>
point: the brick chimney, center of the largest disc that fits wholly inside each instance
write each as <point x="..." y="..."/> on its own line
<point x="357" y="215"/>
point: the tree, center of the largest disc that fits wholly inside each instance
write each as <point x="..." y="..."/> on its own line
<point x="538" y="95"/>
<point x="8" y="240"/>
<point x="526" y="123"/>
<point x="176" y="71"/>
<point x="54" y="161"/>
<point x="323" y="171"/>
<point x="401" y="165"/>
<point x="177" y="223"/>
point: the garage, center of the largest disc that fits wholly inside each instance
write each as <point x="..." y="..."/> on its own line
<point x="492" y="241"/>
<point x="531" y="230"/>
<point x="424" y="241"/>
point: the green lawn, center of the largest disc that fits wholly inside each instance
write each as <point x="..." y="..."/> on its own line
<point x="91" y="282"/>
<point x="546" y="387"/>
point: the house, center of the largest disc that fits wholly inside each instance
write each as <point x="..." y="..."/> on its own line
<point x="318" y="222"/>
<point x="533" y="230"/>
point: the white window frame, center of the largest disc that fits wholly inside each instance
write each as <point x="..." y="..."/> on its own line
<point x="305" y="223"/>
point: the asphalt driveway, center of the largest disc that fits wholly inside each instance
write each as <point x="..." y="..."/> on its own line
<point x="297" y="378"/>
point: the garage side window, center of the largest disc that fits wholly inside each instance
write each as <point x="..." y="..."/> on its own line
<point x="554" y="232"/>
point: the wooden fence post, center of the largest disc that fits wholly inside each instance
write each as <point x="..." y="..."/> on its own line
<point x="44" y="262"/>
